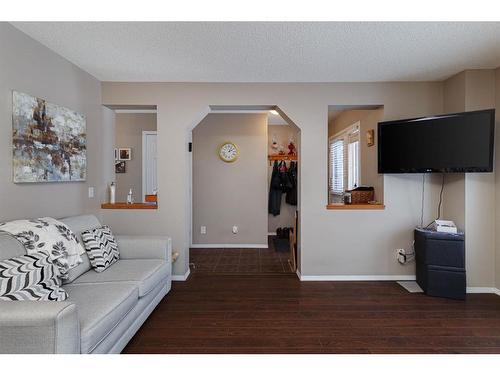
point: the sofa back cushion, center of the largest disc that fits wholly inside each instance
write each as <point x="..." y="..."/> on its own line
<point x="78" y="224"/>
<point x="10" y="247"/>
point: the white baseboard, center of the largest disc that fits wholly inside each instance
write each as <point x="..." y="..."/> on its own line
<point x="230" y="246"/>
<point x="357" y="277"/>
<point x="181" y="277"/>
<point x="271" y="233"/>
<point x="479" y="289"/>
<point x="489" y="290"/>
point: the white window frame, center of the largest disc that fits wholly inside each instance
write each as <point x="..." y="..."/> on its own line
<point x="352" y="170"/>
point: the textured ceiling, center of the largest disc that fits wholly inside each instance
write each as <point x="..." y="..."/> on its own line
<point x="271" y="52"/>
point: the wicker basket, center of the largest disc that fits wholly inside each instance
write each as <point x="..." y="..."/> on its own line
<point x="361" y="196"/>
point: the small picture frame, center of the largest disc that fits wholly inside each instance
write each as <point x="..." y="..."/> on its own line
<point x="370" y="137"/>
<point x="116" y="154"/>
<point x="124" y="154"/>
<point x="120" y="167"/>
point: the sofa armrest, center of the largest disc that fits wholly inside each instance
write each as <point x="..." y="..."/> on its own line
<point x="144" y="247"/>
<point x="39" y="327"/>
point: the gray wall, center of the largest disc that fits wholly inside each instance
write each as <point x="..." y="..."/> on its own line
<point x="469" y="199"/>
<point x="480" y="191"/>
<point x="129" y="128"/>
<point x="27" y="66"/>
<point x="228" y="194"/>
<point x="454" y="197"/>
<point x="287" y="212"/>
<point x="330" y="240"/>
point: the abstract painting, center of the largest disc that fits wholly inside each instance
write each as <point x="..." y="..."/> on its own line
<point x="49" y="141"/>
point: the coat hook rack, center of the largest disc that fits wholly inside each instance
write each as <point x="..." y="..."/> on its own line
<point x="282" y="158"/>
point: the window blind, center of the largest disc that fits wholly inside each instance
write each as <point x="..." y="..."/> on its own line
<point x="337" y="166"/>
<point x="344" y="160"/>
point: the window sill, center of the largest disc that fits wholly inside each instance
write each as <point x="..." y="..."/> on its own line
<point x="363" y="206"/>
<point x="127" y="206"/>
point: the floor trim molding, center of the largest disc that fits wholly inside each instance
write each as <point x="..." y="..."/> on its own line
<point x="357" y="277"/>
<point x="480" y="289"/>
<point x="230" y="246"/>
<point x="181" y="277"/>
<point x="470" y="290"/>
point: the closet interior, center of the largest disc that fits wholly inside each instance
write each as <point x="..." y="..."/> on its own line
<point x="283" y="188"/>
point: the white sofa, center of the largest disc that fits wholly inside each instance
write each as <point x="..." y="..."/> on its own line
<point x="104" y="310"/>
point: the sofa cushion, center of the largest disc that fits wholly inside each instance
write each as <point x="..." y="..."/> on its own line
<point x="78" y="224"/>
<point x="101" y="306"/>
<point x="10" y="247"/>
<point x="145" y="273"/>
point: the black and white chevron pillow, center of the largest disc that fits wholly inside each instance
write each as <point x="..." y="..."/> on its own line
<point x="101" y="247"/>
<point x="32" y="277"/>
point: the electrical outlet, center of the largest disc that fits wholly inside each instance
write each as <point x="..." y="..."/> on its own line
<point x="404" y="256"/>
<point x="401" y="256"/>
<point x="235" y="229"/>
<point x="399" y="253"/>
<point x="91" y="192"/>
<point x="203" y="229"/>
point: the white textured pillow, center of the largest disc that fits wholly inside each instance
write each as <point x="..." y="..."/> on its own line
<point x="32" y="277"/>
<point x="50" y="235"/>
<point x="101" y="247"/>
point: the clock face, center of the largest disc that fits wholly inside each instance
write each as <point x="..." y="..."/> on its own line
<point x="228" y="152"/>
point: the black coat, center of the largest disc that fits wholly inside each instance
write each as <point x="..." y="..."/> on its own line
<point x="291" y="193"/>
<point x="275" y="191"/>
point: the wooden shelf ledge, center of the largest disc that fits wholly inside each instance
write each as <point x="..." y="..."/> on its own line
<point x="127" y="206"/>
<point x="282" y="157"/>
<point x="365" y="206"/>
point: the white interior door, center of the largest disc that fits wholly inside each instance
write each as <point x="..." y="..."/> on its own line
<point x="149" y="174"/>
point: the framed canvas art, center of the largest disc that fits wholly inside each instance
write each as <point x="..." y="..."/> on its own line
<point x="49" y="141"/>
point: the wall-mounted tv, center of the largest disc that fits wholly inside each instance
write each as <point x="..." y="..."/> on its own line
<point x="454" y="143"/>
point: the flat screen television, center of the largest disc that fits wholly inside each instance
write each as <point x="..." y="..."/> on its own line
<point x="454" y="143"/>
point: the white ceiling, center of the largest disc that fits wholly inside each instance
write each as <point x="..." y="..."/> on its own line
<point x="271" y="52"/>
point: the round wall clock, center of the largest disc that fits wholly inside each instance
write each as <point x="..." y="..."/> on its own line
<point x="229" y="152"/>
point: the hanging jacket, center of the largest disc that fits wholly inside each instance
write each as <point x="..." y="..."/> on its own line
<point x="275" y="191"/>
<point x="291" y="194"/>
<point x="284" y="178"/>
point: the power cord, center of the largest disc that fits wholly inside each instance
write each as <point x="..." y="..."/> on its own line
<point x="440" y="202"/>
<point x="440" y="198"/>
<point x="423" y="197"/>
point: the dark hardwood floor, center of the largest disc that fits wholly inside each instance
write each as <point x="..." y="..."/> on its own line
<point x="212" y="313"/>
<point x="236" y="261"/>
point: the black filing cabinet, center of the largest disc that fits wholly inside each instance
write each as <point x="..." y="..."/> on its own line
<point x="440" y="259"/>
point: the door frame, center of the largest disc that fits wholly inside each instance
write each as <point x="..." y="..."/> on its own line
<point x="145" y="133"/>
<point x="189" y="155"/>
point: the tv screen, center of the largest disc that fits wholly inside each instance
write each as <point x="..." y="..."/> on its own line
<point x="455" y="143"/>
